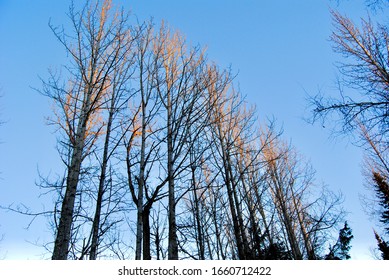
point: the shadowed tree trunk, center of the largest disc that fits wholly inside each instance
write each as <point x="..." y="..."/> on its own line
<point x="94" y="50"/>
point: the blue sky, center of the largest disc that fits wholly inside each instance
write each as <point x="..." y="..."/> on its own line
<point x="280" y="51"/>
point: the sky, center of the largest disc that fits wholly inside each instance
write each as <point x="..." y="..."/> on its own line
<point x="280" y="52"/>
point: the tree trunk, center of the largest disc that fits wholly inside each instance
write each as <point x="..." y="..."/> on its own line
<point x="196" y="215"/>
<point x="146" y="233"/>
<point x="139" y="224"/>
<point x="62" y="241"/>
<point x="232" y="204"/>
<point x="100" y="193"/>
<point x="172" y="242"/>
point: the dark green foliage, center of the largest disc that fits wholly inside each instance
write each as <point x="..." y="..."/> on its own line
<point x="345" y="237"/>
<point x="382" y="192"/>
<point x="277" y="251"/>
<point x="340" y="251"/>
<point x="381" y="188"/>
<point x="382" y="246"/>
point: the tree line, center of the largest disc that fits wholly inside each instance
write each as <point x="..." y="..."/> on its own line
<point x="164" y="159"/>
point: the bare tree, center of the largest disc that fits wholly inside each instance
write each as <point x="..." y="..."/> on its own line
<point x="143" y="142"/>
<point x="305" y="219"/>
<point x="366" y="70"/>
<point x="117" y="98"/>
<point x="230" y="122"/>
<point x="96" y="51"/>
<point x="376" y="172"/>
<point x="181" y="88"/>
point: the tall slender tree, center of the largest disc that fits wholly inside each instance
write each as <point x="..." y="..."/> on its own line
<point x="117" y="98"/>
<point x="144" y="142"/>
<point x="181" y="89"/>
<point x="94" y="56"/>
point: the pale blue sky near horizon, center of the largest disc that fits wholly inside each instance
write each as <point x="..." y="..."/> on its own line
<point x="280" y="51"/>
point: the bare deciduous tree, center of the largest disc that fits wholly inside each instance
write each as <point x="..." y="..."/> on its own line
<point x="181" y="88"/>
<point x="95" y="49"/>
<point x="365" y="69"/>
<point x="304" y="218"/>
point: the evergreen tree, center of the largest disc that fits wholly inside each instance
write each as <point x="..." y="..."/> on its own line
<point x="382" y="246"/>
<point x="382" y="192"/>
<point x="345" y="236"/>
<point x="340" y="251"/>
<point x="277" y="251"/>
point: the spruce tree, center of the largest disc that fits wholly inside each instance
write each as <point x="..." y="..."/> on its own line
<point x="382" y="193"/>
<point x="345" y="236"/>
<point x="341" y="249"/>
<point x="382" y="246"/>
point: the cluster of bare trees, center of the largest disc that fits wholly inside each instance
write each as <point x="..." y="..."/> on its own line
<point x="164" y="159"/>
<point x="364" y="109"/>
